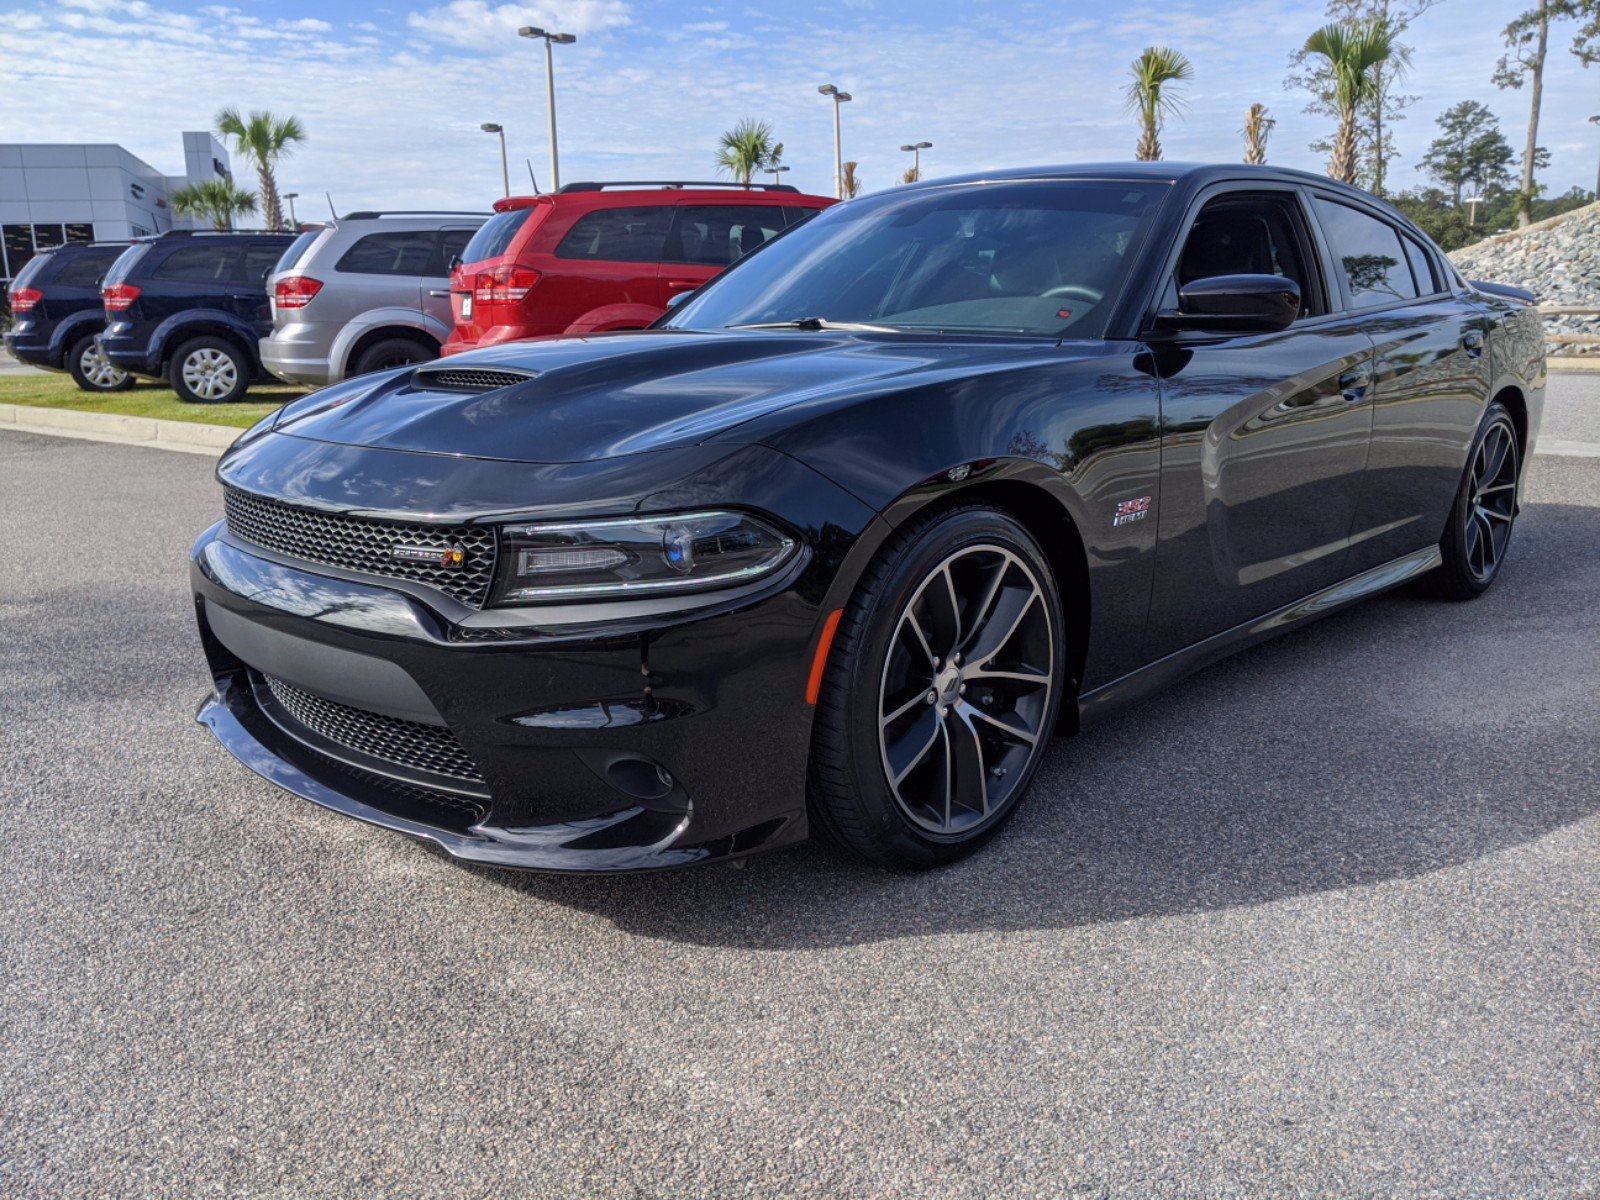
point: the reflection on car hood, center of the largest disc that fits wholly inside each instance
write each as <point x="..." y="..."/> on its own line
<point x="599" y="397"/>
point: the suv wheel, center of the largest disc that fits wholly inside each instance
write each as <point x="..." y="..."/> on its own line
<point x="92" y="371"/>
<point x="393" y="352"/>
<point x="210" y="370"/>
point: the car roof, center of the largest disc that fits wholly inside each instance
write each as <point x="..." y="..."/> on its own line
<point x="626" y="194"/>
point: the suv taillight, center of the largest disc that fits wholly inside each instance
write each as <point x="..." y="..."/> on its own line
<point x="119" y="296"/>
<point x="296" y="291"/>
<point x="506" y="284"/>
<point x="24" y="299"/>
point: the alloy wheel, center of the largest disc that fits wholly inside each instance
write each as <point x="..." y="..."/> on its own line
<point x="1491" y="500"/>
<point x="97" y="368"/>
<point x="210" y="374"/>
<point x="965" y="689"/>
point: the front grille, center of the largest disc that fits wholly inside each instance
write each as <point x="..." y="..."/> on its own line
<point x="469" y="379"/>
<point x="431" y="749"/>
<point x="366" y="544"/>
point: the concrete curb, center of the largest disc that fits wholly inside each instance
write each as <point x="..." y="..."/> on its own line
<point x="183" y="436"/>
<point x="1573" y="366"/>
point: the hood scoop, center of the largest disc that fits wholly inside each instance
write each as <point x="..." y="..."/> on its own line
<point x="468" y="379"/>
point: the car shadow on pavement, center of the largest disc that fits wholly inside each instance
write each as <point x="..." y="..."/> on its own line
<point x="1404" y="736"/>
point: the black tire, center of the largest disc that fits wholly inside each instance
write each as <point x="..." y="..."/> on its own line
<point x="210" y="370"/>
<point x="1478" y="534"/>
<point x="90" y="371"/>
<point x="393" y="352"/>
<point x="1000" y="578"/>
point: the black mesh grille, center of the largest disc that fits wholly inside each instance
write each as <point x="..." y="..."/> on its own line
<point x="366" y="544"/>
<point x="468" y="379"/>
<point x="432" y="749"/>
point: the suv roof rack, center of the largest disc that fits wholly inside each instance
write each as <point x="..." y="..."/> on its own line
<point x="370" y="214"/>
<point x="166" y="233"/>
<point x="595" y="186"/>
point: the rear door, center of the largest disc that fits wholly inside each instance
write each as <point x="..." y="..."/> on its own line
<point x="706" y="238"/>
<point x="250" y="270"/>
<point x="450" y="244"/>
<point x="1430" y="382"/>
<point x="608" y="256"/>
<point x="1264" y="436"/>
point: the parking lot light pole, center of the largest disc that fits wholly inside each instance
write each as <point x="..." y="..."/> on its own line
<point x="838" y="98"/>
<point x="505" y="174"/>
<point x="291" y="197"/>
<point x="775" y="172"/>
<point x="550" y="39"/>
<point x="1595" y="120"/>
<point x="916" y="149"/>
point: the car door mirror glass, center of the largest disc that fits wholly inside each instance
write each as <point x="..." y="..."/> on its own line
<point x="1233" y="304"/>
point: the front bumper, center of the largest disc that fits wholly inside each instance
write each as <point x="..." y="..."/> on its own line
<point x="568" y="724"/>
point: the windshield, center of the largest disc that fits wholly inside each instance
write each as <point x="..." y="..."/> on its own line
<point x="1032" y="258"/>
<point x="494" y="235"/>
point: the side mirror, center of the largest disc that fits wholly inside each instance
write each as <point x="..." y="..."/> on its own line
<point x="1225" y="304"/>
<point x="677" y="298"/>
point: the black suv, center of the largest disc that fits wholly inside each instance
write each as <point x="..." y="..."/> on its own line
<point x="190" y="307"/>
<point x="55" y="300"/>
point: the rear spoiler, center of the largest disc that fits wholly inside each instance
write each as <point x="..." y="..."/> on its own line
<point x="1504" y="290"/>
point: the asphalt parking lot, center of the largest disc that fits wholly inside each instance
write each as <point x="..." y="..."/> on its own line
<point x="1323" y="920"/>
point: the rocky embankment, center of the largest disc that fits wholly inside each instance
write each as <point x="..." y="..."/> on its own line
<point x="1557" y="260"/>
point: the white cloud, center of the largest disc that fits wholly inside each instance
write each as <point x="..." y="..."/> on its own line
<point x="476" y="23"/>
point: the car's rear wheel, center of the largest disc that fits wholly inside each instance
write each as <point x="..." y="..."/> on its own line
<point x="392" y="352"/>
<point x="210" y="370"/>
<point x="942" y="689"/>
<point x="91" y="370"/>
<point x="1479" y="533"/>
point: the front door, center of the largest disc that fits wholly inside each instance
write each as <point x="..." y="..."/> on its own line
<point x="1264" y="436"/>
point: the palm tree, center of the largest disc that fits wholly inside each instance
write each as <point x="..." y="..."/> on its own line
<point x="850" y="182"/>
<point x="217" y="200"/>
<point x="1353" y="51"/>
<point x="748" y="148"/>
<point x="263" y="139"/>
<point x="1151" y="99"/>
<point x="1257" y="129"/>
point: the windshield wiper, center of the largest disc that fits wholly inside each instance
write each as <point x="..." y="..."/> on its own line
<point x="814" y="324"/>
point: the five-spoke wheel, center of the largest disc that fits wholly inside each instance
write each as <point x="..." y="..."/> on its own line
<point x="1479" y="534"/>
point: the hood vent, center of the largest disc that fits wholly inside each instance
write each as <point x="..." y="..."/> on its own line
<point x="468" y="379"/>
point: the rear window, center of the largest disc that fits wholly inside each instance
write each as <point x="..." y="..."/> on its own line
<point x="492" y="239"/>
<point x="126" y="261"/>
<point x="397" y="252"/>
<point x="619" y="235"/>
<point x="297" y="250"/>
<point x="716" y="234"/>
<point x="1421" y="267"/>
<point x="198" y="264"/>
<point x="84" y="270"/>
<point x="30" y="271"/>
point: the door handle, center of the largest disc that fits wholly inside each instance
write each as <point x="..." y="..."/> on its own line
<point x="1472" y="342"/>
<point x="1353" y="384"/>
<point x="442" y="294"/>
<point x="681" y="285"/>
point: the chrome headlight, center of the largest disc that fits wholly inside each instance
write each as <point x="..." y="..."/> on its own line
<point x="636" y="556"/>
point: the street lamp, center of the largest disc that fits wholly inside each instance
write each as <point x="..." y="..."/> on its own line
<point x="550" y="39"/>
<point x="839" y="98"/>
<point x="291" y="197"/>
<point x="1472" y="203"/>
<point x="775" y="172"/>
<point x="916" y="149"/>
<point x="505" y="175"/>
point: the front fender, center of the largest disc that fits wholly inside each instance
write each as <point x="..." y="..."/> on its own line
<point x="615" y="316"/>
<point x="395" y="317"/>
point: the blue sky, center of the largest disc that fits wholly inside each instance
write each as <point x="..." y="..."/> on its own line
<point x="392" y="96"/>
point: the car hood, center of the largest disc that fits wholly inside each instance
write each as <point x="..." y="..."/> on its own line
<point x="618" y="394"/>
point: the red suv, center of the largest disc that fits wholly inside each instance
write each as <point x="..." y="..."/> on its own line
<point x="598" y="256"/>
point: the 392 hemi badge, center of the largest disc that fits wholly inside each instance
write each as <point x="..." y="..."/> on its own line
<point x="449" y="557"/>
<point x="1129" y="511"/>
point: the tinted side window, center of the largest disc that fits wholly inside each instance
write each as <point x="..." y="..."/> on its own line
<point x="717" y="234"/>
<point x="799" y="216"/>
<point x="259" y="258"/>
<point x="391" y="253"/>
<point x="495" y="235"/>
<point x="452" y="245"/>
<point x="1422" y="268"/>
<point x="84" y="270"/>
<point x="619" y="234"/>
<point x="1368" y="255"/>
<point x="198" y="264"/>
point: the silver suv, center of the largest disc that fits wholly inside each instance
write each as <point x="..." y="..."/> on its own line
<point x="368" y="291"/>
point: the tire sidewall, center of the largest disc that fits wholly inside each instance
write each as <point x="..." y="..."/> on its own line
<point x="241" y="366"/>
<point x="859" y="686"/>
<point x="1459" y="579"/>
<point x="370" y="359"/>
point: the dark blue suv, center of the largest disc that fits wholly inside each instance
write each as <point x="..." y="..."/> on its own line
<point x="189" y="308"/>
<point x="55" y="300"/>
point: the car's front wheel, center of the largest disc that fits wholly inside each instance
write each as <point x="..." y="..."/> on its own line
<point x="91" y="370"/>
<point x="943" y="684"/>
<point x="210" y="370"/>
<point x="1479" y="534"/>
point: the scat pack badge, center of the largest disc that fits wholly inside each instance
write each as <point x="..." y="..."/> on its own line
<point x="1129" y="511"/>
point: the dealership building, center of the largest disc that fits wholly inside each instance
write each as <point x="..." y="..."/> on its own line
<point x="52" y="193"/>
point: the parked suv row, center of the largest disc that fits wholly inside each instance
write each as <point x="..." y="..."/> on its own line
<point x="602" y="256"/>
<point x="369" y="291"/>
<point x="55" y="300"/>
<point x="189" y="308"/>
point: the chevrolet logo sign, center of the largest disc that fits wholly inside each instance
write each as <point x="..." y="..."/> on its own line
<point x="449" y="557"/>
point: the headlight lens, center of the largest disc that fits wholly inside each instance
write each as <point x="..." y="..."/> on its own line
<point x="636" y="556"/>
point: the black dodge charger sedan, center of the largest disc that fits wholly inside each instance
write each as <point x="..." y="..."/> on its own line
<point x="851" y="533"/>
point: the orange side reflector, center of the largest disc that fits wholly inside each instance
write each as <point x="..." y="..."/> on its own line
<point x="824" y="643"/>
